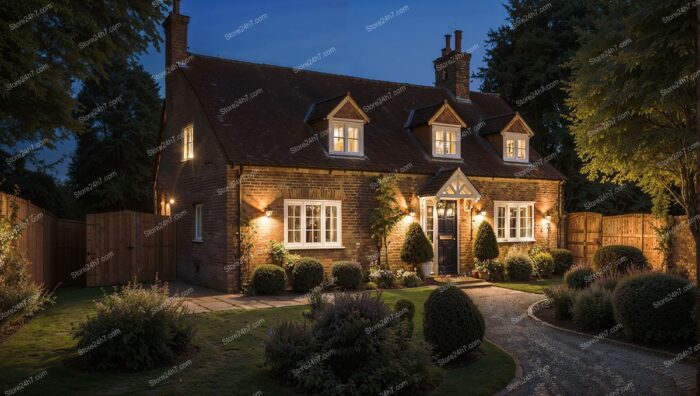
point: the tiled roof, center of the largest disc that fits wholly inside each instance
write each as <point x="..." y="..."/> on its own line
<point x="323" y="108"/>
<point x="436" y="182"/>
<point x="495" y="124"/>
<point x="267" y="106"/>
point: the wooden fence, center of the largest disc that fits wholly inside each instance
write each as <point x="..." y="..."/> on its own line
<point x="54" y="247"/>
<point x="588" y="231"/>
<point x="121" y="246"/>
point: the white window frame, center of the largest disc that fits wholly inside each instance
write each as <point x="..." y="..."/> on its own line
<point x="508" y="205"/>
<point x="458" y="142"/>
<point x="346" y="123"/>
<point x="198" y="216"/>
<point x="517" y="138"/>
<point x="313" y="245"/>
<point x="188" y="142"/>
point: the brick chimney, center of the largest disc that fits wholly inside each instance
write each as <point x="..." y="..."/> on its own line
<point x="175" y="26"/>
<point x="452" y="68"/>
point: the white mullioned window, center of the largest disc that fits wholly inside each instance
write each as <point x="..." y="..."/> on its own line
<point x="515" y="221"/>
<point x="188" y="142"/>
<point x="516" y="147"/>
<point x="198" y="222"/>
<point x="311" y="224"/>
<point x="446" y="141"/>
<point x="347" y="137"/>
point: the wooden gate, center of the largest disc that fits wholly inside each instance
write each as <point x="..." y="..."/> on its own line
<point x="583" y="235"/>
<point x="127" y="245"/>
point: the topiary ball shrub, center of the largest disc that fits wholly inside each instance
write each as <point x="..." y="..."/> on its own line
<point x="347" y="275"/>
<point x="519" y="267"/>
<point x="360" y="352"/>
<point x="416" y="248"/>
<point x="135" y="328"/>
<point x="405" y="310"/>
<point x="307" y="274"/>
<point x="593" y="309"/>
<point x="619" y="259"/>
<point x="485" y="244"/>
<point x="452" y="322"/>
<point x="655" y="308"/>
<point x="543" y="264"/>
<point x="561" y="299"/>
<point x="579" y="277"/>
<point x="286" y="345"/>
<point x="268" y="279"/>
<point x="563" y="260"/>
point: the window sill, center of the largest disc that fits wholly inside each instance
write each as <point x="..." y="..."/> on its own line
<point x="336" y="154"/>
<point x="516" y="162"/>
<point x="198" y="241"/>
<point x="516" y="240"/>
<point x="314" y="247"/>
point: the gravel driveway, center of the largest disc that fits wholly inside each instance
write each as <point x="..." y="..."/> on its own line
<point x="554" y="363"/>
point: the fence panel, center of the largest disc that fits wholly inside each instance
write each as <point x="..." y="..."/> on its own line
<point x="118" y="249"/>
<point x="70" y="251"/>
<point x="583" y="235"/>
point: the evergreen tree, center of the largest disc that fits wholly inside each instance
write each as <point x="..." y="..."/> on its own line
<point x="385" y="216"/>
<point x="111" y="169"/>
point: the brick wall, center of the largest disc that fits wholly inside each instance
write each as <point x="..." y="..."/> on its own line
<point x="268" y="187"/>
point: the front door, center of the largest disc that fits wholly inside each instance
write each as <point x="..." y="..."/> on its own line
<point x="447" y="237"/>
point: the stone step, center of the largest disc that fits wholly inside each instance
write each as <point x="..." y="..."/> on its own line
<point x="462" y="280"/>
<point x="474" y="285"/>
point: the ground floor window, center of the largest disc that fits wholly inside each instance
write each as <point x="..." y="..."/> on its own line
<point x="312" y="223"/>
<point x="514" y="221"/>
<point x="198" y="222"/>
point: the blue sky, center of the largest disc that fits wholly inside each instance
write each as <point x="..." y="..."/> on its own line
<point x="292" y="31"/>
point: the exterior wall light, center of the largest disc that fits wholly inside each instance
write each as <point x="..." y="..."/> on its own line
<point x="268" y="212"/>
<point x="172" y="201"/>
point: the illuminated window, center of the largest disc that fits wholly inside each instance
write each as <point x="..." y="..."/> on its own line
<point x="515" y="221"/>
<point x="446" y="141"/>
<point x="188" y="142"/>
<point x="347" y="138"/>
<point x="515" y="148"/>
<point x="312" y="224"/>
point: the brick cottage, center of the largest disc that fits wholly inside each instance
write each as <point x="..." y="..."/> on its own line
<point x="295" y="152"/>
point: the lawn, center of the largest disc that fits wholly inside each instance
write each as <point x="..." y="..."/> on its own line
<point x="39" y="349"/>
<point x="531" y="286"/>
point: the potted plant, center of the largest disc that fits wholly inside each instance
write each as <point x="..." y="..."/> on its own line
<point x="485" y="249"/>
<point x="417" y="249"/>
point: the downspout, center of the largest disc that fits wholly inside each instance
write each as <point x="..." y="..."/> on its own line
<point x="560" y="230"/>
<point x="240" y="228"/>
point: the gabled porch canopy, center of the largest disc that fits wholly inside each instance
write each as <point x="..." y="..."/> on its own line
<point x="450" y="184"/>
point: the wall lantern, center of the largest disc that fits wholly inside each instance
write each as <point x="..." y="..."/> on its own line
<point x="172" y="201"/>
<point x="412" y="213"/>
<point x="268" y="212"/>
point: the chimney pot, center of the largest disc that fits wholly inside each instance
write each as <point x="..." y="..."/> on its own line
<point x="458" y="40"/>
<point x="447" y="43"/>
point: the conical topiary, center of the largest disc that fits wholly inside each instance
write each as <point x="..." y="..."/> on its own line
<point x="416" y="247"/>
<point x="485" y="244"/>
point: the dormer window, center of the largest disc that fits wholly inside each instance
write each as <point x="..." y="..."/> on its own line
<point x="516" y="147"/>
<point x="446" y="141"/>
<point x="347" y="137"/>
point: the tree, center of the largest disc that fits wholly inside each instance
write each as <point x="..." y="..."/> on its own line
<point x="485" y="243"/>
<point x="633" y="102"/>
<point x="111" y="169"/>
<point x="384" y="217"/>
<point x="697" y="180"/>
<point x="416" y="248"/>
<point x="50" y="46"/>
<point x="525" y="64"/>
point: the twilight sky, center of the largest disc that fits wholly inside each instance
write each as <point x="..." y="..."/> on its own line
<point x="290" y="32"/>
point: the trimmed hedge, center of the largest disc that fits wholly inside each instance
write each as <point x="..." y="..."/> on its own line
<point x="416" y="248"/>
<point x="656" y="308"/>
<point x="619" y="259"/>
<point x="519" y="267"/>
<point x="347" y="275"/>
<point x="452" y="322"/>
<point x="563" y="260"/>
<point x="579" y="277"/>
<point x="268" y="279"/>
<point x="593" y="309"/>
<point x="543" y="264"/>
<point x="485" y="244"/>
<point x="307" y="274"/>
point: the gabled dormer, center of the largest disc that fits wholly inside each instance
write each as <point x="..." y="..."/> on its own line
<point x="510" y="136"/>
<point x="340" y="124"/>
<point x="439" y="128"/>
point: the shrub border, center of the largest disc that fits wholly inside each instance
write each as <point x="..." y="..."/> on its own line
<point x="533" y="308"/>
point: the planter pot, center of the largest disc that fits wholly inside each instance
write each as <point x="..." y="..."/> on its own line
<point x="483" y="275"/>
<point x="426" y="269"/>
